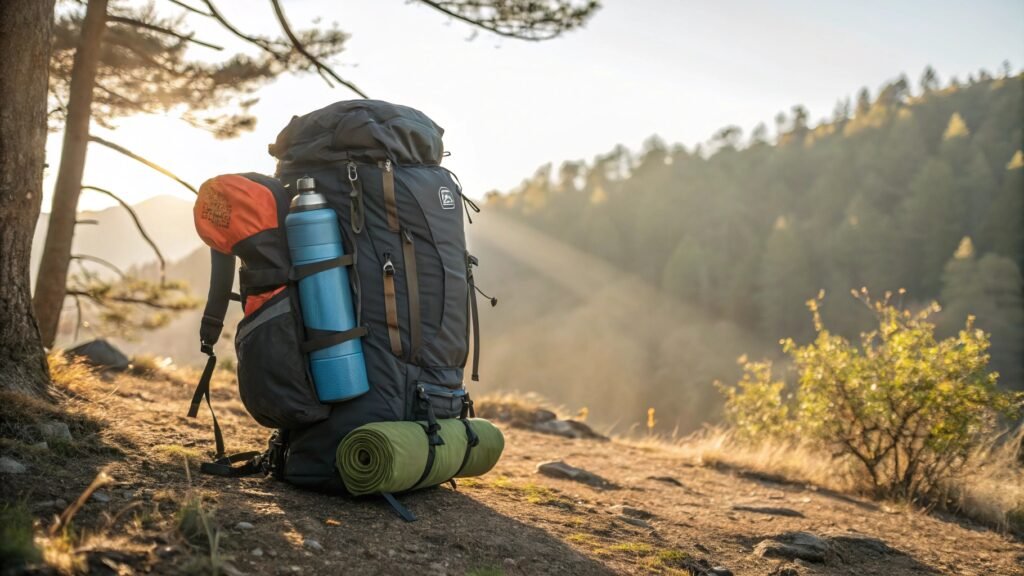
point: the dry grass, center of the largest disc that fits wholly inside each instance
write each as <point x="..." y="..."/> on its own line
<point x="990" y="490"/>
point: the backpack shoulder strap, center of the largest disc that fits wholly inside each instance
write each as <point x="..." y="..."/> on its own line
<point x="222" y="274"/>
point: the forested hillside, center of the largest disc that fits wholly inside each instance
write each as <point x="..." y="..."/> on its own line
<point x="916" y="189"/>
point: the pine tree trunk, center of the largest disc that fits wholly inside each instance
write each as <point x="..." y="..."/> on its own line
<point x="51" y="283"/>
<point x="26" y="27"/>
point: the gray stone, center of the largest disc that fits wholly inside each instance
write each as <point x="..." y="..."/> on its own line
<point x="720" y="571"/>
<point x="792" y="545"/>
<point x="566" y="429"/>
<point x="312" y="545"/>
<point x="257" y="552"/>
<point x="60" y="503"/>
<point x="101" y="497"/>
<point x="559" y="469"/>
<point x="55" y="430"/>
<point x="11" y="466"/>
<point x="630" y="511"/>
<point x="244" y="526"/>
<point x="635" y="521"/>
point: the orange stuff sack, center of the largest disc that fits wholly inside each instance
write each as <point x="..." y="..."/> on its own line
<point x="243" y="215"/>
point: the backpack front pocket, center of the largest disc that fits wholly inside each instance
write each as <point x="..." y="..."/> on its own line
<point x="273" y="375"/>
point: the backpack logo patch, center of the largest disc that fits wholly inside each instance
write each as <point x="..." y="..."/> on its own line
<point x="447" y="198"/>
<point x="216" y="209"/>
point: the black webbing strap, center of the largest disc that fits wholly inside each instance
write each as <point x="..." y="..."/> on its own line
<point x="203" y="391"/>
<point x="356" y="211"/>
<point x="472" y="440"/>
<point x="403" y="512"/>
<point x="252" y="464"/>
<point x="474" y="316"/>
<point x="431" y="455"/>
<point x="306" y="270"/>
<point x="321" y="339"/>
<point x="412" y="284"/>
<point x="261" y="279"/>
<point x="467" y="408"/>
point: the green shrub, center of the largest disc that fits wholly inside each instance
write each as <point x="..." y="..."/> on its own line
<point x="906" y="407"/>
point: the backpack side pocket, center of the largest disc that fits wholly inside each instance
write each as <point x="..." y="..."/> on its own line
<point x="273" y="372"/>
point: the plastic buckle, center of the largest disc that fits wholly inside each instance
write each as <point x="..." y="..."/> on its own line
<point x="206" y="348"/>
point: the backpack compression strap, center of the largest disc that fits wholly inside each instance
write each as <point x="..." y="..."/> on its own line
<point x="222" y="273"/>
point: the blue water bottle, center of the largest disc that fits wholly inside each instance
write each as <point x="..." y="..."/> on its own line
<point x="339" y="371"/>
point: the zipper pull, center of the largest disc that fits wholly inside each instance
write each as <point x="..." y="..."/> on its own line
<point x="389" y="266"/>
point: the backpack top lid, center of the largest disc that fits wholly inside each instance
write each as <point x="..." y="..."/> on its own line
<point x="360" y="129"/>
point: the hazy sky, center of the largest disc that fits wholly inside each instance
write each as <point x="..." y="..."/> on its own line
<point x="679" y="69"/>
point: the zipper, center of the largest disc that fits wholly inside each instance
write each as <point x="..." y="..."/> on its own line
<point x="412" y="292"/>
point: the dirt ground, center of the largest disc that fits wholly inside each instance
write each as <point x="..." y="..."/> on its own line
<point x="658" y="514"/>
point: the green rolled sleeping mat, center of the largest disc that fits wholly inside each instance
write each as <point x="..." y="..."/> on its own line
<point x="387" y="457"/>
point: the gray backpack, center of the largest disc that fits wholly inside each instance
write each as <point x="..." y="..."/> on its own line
<point x="401" y="216"/>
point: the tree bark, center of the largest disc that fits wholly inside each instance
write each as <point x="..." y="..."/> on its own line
<point x="26" y="28"/>
<point x="51" y="283"/>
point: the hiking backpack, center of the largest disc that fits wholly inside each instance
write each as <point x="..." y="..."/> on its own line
<point x="401" y="217"/>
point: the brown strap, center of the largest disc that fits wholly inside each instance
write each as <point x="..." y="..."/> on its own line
<point x="413" y="286"/>
<point x="390" y="204"/>
<point x="391" y="307"/>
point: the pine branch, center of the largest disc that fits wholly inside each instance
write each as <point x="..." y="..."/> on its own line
<point x="136" y="157"/>
<point x="148" y="302"/>
<point x="320" y="66"/>
<point x="261" y="43"/>
<point x="138" y="226"/>
<point x="189" y="8"/>
<point x="105" y="263"/>
<point x="522" y="20"/>
<point x="161" y="30"/>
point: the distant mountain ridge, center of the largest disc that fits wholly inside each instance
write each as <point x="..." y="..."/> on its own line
<point x="167" y="219"/>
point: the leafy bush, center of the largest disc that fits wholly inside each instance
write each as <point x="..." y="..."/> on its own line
<point x="907" y="408"/>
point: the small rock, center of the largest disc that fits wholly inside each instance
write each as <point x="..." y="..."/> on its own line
<point x="11" y="466"/>
<point x="630" y="511"/>
<point x="60" y="503"/>
<point x="272" y="553"/>
<point x="244" y="526"/>
<point x="635" y="521"/>
<point x="774" y="511"/>
<point x="313" y="545"/>
<point x="720" y="571"/>
<point x="437" y="569"/>
<point x="792" y="545"/>
<point x="509" y="563"/>
<point x="101" y="497"/>
<point x="257" y="552"/>
<point x="559" y="469"/>
<point x="55" y="429"/>
<point x="295" y="569"/>
<point x="128" y="494"/>
<point x="784" y="571"/>
<point x="566" y="429"/>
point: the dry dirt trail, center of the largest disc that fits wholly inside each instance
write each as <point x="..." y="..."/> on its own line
<point x="659" y="514"/>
